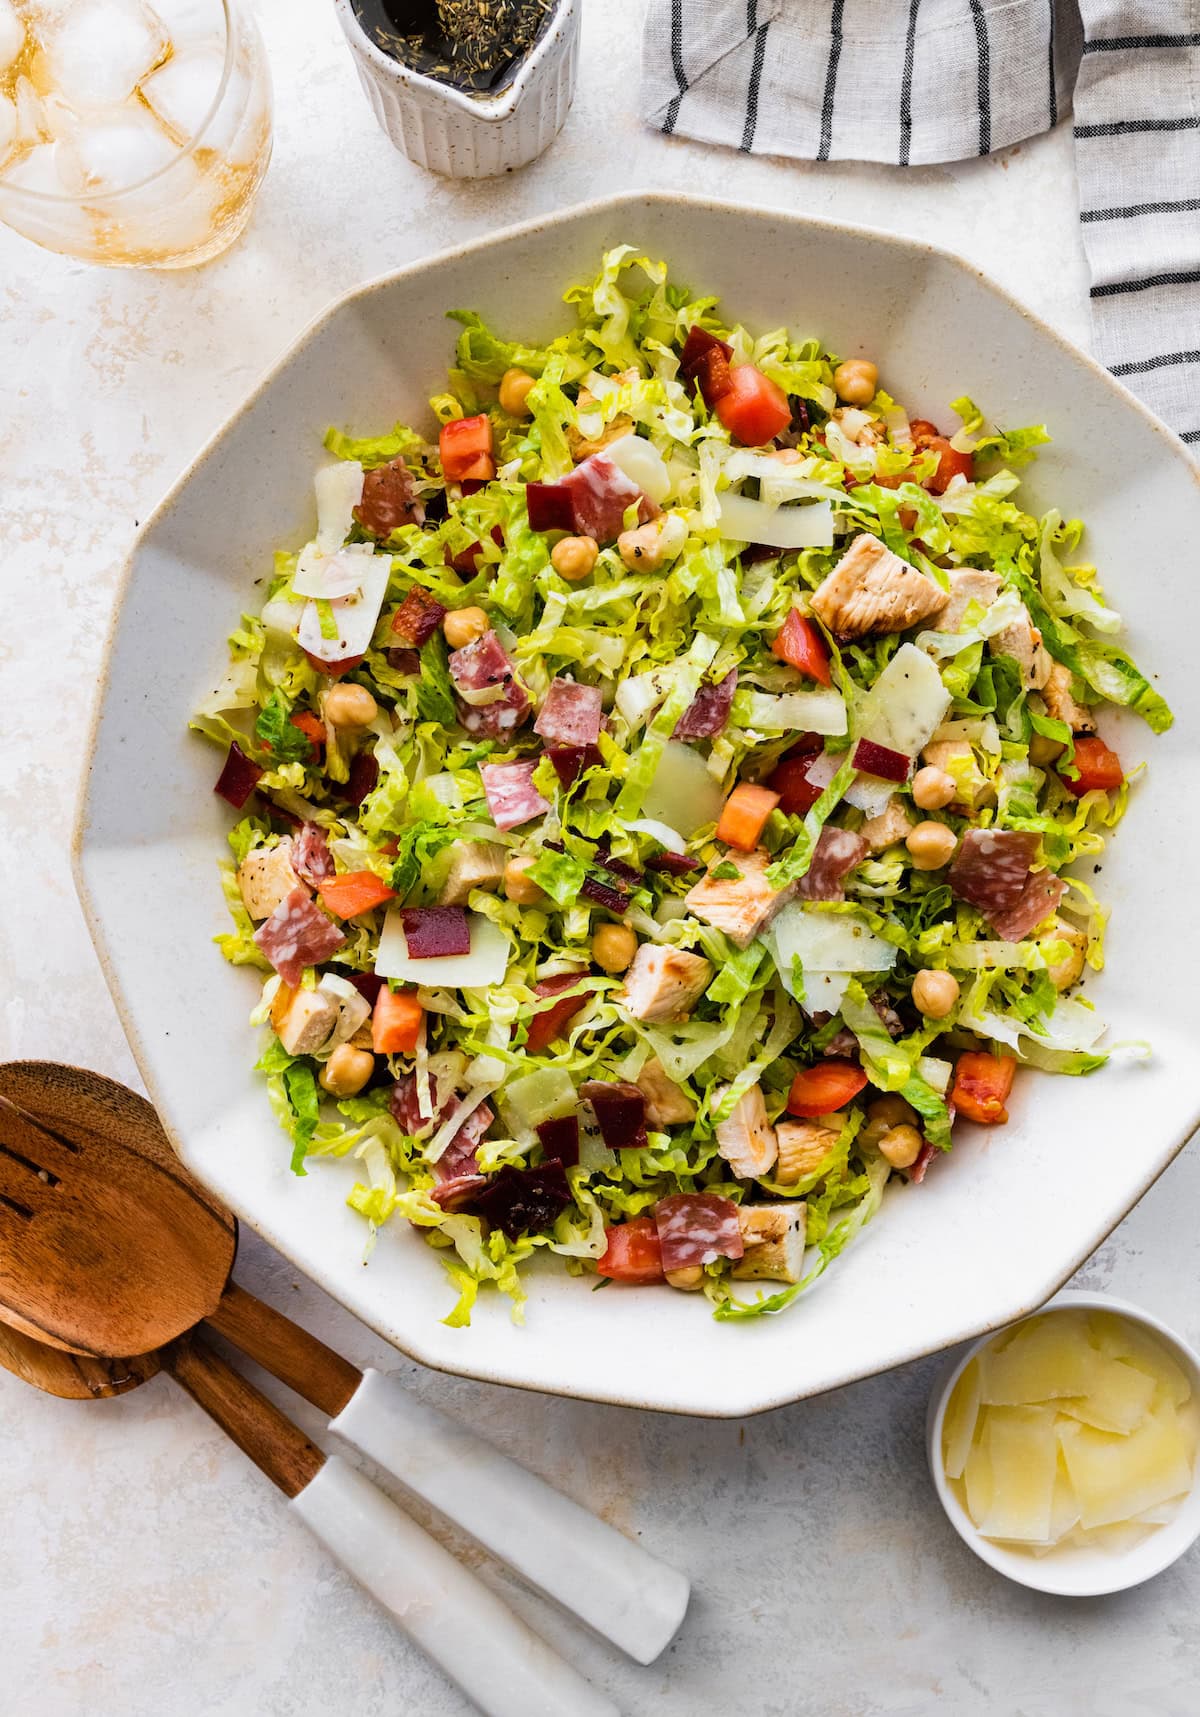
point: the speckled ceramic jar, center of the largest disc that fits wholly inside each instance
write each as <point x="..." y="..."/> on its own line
<point x="471" y="136"/>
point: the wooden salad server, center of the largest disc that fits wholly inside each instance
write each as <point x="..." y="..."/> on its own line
<point x="108" y="1247"/>
<point x="491" y="1654"/>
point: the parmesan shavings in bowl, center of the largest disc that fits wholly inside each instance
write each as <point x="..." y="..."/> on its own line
<point x="1064" y="1448"/>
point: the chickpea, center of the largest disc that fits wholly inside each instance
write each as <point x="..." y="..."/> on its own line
<point x="855" y="381"/>
<point x="931" y="845"/>
<point x="935" y="993"/>
<point x="1043" y="751"/>
<point x="347" y="1071"/>
<point x="613" y="947"/>
<point x="689" y="1278"/>
<point x="647" y="548"/>
<point x="349" y="706"/>
<point x="463" y="625"/>
<point x="519" y="887"/>
<point x="515" y="386"/>
<point x="868" y="1136"/>
<point x="892" y="1110"/>
<point x="933" y="789"/>
<point x="901" y="1146"/>
<point x="574" y="558"/>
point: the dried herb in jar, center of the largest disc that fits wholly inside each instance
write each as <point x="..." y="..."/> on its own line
<point x="474" y="45"/>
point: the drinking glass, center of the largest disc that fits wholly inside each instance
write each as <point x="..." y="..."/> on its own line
<point x="132" y="132"/>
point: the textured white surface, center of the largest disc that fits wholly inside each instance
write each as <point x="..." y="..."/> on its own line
<point x="145" y="1569"/>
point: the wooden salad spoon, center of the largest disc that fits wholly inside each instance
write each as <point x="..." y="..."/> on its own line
<point x="497" y="1660"/>
<point x="109" y="1247"/>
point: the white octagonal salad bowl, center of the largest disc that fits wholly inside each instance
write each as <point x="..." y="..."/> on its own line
<point x="999" y="1224"/>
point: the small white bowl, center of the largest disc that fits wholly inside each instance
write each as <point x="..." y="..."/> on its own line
<point x="471" y="136"/>
<point x="1070" y="1571"/>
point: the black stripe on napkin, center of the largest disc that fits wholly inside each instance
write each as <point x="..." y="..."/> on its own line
<point x="984" y="52"/>
<point x="1189" y="278"/>
<point x="831" y="71"/>
<point x="910" y="43"/>
<point x="1129" y="127"/>
<point x="1165" y="360"/>
<point x="1185" y="205"/>
<point x="1191" y="436"/>
<point x="1122" y="44"/>
<point x="676" y="66"/>
<point x="759" y="31"/>
<point x="1053" y="79"/>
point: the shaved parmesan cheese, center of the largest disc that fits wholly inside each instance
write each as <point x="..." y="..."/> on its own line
<point x="1065" y="1431"/>
<point x="355" y="617"/>
<point x="339" y="490"/>
<point x="683" y="794"/>
<point x="353" y="1008"/>
<point x="821" y="710"/>
<point x="643" y="464"/>
<point x="743" y="520"/>
<point x="485" y="964"/>
<point x="868" y="793"/>
<point x="831" y="947"/>
<point x="330" y="576"/>
<point x="906" y="705"/>
<point x="637" y="696"/>
<point x="281" y="617"/>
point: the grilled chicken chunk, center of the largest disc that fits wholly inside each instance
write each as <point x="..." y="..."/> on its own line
<point x="747" y="1139"/>
<point x="1023" y="642"/>
<point x="891" y="825"/>
<point x="741" y="907"/>
<point x="873" y="590"/>
<point x="667" y="1104"/>
<point x="773" y="1235"/>
<point x="265" y="877"/>
<point x="1060" y="701"/>
<point x="474" y="864"/>
<point x="803" y="1147"/>
<point x="966" y="587"/>
<point x="664" y="983"/>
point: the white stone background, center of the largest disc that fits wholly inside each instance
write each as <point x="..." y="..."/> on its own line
<point x="146" y="1570"/>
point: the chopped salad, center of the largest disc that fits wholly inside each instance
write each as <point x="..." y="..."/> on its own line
<point x="661" y="796"/>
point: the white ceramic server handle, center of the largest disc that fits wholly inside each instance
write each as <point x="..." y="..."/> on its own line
<point x="488" y="1651"/>
<point x="587" y="1566"/>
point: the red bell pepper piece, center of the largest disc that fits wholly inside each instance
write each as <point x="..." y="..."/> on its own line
<point x="799" y="643"/>
<point x="825" y="1088"/>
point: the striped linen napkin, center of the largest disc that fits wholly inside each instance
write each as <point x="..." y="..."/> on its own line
<point x="917" y="81"/>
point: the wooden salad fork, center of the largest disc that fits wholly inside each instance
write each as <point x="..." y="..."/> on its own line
<point x="109" y="1247"/>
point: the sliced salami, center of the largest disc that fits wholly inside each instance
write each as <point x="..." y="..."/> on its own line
<point x="478" y="667"/>
<point x="511" y="795"/>
<point x="389" y="500"/>
<point x="460" y="1192"/>
<point x="707" y="714"/>
<point x="311" y="858"/>
<point x="296" y="935"/>
<point x="570" y="715"/>
<point x="405" y="1106"/>
<point x="600" y="495"/>
<point x="696" y="1228"/>
<point x="836" y="854"/>
<point x="1037" y="900"/>
<point x="417" y="618"/>
<point x="991" y="867"/>
<point x="459" y="1157"/>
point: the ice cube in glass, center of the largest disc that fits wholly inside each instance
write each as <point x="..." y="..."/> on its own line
<point x="98" y="51"/>
<point x="12" y="34"/>
<point x="182" y="91"/>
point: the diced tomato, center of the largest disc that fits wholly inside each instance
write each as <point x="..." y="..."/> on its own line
<point x="310" y="725"/>
<point x="334" y="670"/>
<point x="981" y="1086"/>
<point x="396" y="1022"/>
<point x="951" y="463"/>
<point x="463" y="441"/>
<point x="633" y="1253"/>
<point x="1099" y="768"/>
<point x="745" y="814"/>
<point x="799" y="643"/>
<point x="825" y="1088"/>
<point x="357" y="891"/>
<point x="797" y="794"/>
<point x="756" y="409"/>
<point x="550" y="1023"/>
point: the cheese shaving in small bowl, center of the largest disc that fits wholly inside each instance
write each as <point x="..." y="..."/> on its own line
<point x="1064" y="1448"/>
